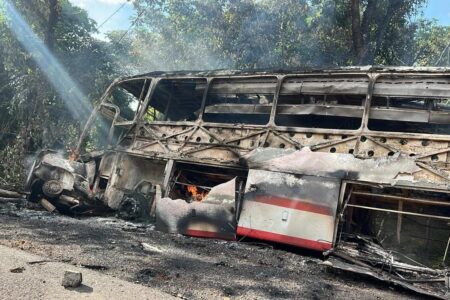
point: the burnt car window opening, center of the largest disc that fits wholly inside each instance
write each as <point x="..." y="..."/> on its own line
<point x="115" y="114"/>
<point x="176" y="100"/>
<point x="126" y="102"/>
<point x="330" y="103"/>
<point x="242" y="100"/>
<point x="128" y="98"/>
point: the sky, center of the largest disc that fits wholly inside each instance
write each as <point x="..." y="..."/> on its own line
<point x="439" y="10"/>
<point x="100" y="10"/>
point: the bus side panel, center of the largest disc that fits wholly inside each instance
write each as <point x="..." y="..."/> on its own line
<point x="292" y="209"/>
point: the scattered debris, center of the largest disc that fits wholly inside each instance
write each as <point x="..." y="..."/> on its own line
<point x="47" y="205"/>
<point x="9" y="203"/>
<point x="22" y="244"/>
<point x="17" y="270"/>
<point x="151" y="248"/>
<point x="72" y="279"/>
<point x="146" y="275"/>
<point x="10" y="194"/>
<point x="363" y="256"/>
<point x="38" y="262"/>
<point x="373" y="273"/>
<point x="94" y="267"/>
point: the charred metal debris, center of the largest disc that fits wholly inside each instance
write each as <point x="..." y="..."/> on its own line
<point x="351" y="162"/>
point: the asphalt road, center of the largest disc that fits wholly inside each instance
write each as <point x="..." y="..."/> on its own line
<point x="42" y="280"/>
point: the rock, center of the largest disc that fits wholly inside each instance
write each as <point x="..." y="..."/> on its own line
<point x="327" y="263"/>
<point x="151" y="248"/>
<point x="72" y="279"/>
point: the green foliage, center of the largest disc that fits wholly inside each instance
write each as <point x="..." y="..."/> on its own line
<point x="12" y="169"/>
<point x="424" y="48"/>
<point x="34" y="116"/>
<point x="2" y="13"/>
<point x="152" y="115"/>
<point x="174" y="34"/>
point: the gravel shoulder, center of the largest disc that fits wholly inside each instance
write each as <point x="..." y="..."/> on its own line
<point x="189" y="268"/>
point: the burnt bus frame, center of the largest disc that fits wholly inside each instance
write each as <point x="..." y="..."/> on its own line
<point x="358" y="135"/>
<point x="373" y="77"/>
<point x="362" y="133"/>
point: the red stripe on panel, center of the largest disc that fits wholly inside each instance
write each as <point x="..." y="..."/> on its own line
<point x="285" y="239"/>
<point x="294" y="204"/>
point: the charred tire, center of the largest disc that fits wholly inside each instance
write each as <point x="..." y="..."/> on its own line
<point x="130" y="209"/>
<point x="52" y="188"/>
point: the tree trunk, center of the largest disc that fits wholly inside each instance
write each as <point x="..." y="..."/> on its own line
<point x="368" y="20"/>
<point x="53" y="6"/>
<point x="358" y="41"/>
<point x="391" y="12"/>
<point x="382" y="24"/>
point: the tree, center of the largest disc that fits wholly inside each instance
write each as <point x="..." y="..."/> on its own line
<point x="34" y="113"/>
<point x="373" y="32"/>
<point x="290" y="33"/>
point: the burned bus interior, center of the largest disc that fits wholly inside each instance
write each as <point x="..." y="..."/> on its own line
<point x="350" y="162"/>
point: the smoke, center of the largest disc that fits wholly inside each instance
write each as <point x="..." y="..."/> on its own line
<point x="214" y="35"/>
<point x="64" y="85"/>
<point x="254" y="34"/>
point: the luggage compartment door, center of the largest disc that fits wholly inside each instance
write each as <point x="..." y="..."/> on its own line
<point x="292" y="209"/>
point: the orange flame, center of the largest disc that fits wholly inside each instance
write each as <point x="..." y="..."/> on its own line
<point x="196" y="194"/>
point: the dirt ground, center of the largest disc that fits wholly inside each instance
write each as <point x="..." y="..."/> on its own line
<point x="28" y="276"/>
<point x="189" y="268"/>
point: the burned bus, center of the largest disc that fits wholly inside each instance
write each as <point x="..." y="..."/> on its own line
<point x="321" y="160"/>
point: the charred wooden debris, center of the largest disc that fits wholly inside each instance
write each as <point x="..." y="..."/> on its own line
<point x="351" y="162"/>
